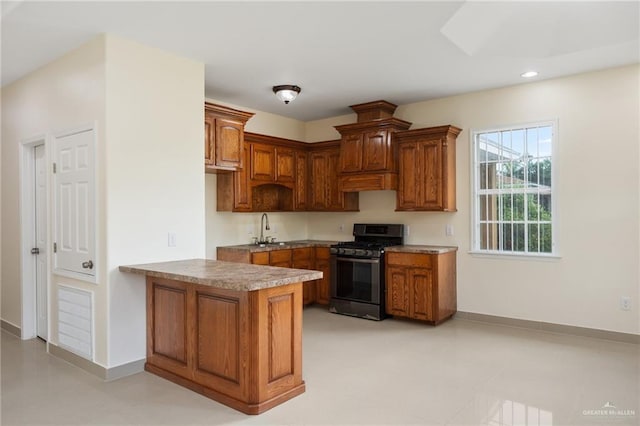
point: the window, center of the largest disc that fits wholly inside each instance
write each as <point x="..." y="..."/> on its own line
<point x="513" y="195"/>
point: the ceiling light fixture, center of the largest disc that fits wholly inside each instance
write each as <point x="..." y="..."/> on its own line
<point x="286" y="92"/>
<point x="529" y="74"/>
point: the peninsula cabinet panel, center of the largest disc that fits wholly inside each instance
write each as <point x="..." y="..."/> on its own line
<point x="421" y="286"/>
<point x="167" y="328"/>
<point x="241" y="348"/>
<point x="278" y="318"/>
<point x="219" y="341"/>
<point x="427" y="169"/>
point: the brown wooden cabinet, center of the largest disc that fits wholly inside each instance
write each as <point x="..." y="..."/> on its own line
<point x="301" y="192"/>
<point x="241" y="348"/>
<point x="233" y="189"/>
<point x="421" y="286"/>
<point x="313" y="258"/>
<point x="323" y="286"/>
<point x="224" y="138"/>
<point x="285" y="175"/>
<point x="367" y="155"/>
<point x="427" y="169"/>
<point x="263" y="162"/>
<point x="303" y="258"/>
<point x="323" y="177"/>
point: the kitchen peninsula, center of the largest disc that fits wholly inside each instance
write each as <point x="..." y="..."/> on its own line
<point x="229" y="331"/>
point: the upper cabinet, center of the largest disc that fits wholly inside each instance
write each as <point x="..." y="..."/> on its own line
<point x="367" y="155"/>
<point x="427" y="169"/>
<point x="284" y="175"/>
<point x="224" y="138"/>
<point x="324" y="194"/>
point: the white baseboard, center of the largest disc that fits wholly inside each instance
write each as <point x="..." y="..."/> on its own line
<point x="552" y="327"/>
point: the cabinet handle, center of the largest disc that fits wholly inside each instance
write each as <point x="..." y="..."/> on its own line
<point x="87" y="265"/>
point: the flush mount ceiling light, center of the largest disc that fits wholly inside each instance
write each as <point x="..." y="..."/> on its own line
<point x="529" y="74"/>
<point x="286" y="92"/>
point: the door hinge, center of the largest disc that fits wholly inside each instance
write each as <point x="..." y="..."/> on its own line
<point x="55" y="247"/>
<point x="54" y="168"/>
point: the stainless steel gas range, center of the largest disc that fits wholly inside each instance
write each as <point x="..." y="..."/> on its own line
<point x="357" y="270"/>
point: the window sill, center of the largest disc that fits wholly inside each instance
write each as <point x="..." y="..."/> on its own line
<point x="514" y="256"/>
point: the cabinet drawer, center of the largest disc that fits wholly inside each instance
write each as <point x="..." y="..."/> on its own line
<point x="279" y="256"/>
<point x="261" y="258"/>
<point x="409" y="259"/>
<point x="302" y="253"/>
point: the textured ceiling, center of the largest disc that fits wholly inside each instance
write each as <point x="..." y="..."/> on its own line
<point x="340" y="53"/>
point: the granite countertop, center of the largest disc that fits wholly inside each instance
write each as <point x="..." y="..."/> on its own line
<point x="421" y="249"/>
<point x="255" y="248"/>
<point x="225" y="275"/>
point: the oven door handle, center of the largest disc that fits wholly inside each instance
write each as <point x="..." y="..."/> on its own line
<point x="356" y="260"/>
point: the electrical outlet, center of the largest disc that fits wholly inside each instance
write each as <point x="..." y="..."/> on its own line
<point x="274" y="228"/>
<point x="171" y="239"/>
<point x="448" y="230"/>
<point x="249" y="229"/>
<point x="341" y="227"/>
<point x="407" y="230"/>
<point x="625" y="303"/>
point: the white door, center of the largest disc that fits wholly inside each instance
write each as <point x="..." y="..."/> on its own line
<point x="40" y="247"/>
<point x="75" y="204"/>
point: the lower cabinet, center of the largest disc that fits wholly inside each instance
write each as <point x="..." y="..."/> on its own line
<point x="315" y="258"/>
<point x="323" y="286"/>
<point x="303" y="259"/>
<point x="421" y="286"/>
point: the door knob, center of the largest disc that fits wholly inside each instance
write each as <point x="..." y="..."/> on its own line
<point x="35" y="250"/>
<point x="87" y="265"/>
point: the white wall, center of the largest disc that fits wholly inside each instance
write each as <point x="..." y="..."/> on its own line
<point x="64" y="94"/>
<point x="154" y="179"/>
<point x="147" y="106"/>
<point x="598" y="191"/>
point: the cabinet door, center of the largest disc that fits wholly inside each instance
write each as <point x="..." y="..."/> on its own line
<point x="430" y="163"/>
<point x="263" y="162"/>
<point x="241" y="187"/>
<point x="351" y="153"/>
<point x="209" y="136"/>
<point x="285" y="169"/>
<point x="281" y="258"/>
<point x="303" y="259"/>
<point x="375" y="148"/>
<point x="301" y="182"/>
<point x="324" y="284"/>
<point x="335" y="198"/>
<point x="398" y="291"/>
<point x="421" y="285"/>
<point x="409" y="176"/>
<point x="229" y="143"/>
<point x="318" y="180"/>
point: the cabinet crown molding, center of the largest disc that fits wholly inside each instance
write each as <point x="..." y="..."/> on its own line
<point x="227" y="112"/>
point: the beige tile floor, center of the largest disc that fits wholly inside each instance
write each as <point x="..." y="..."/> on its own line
<point x="361" y="372"/>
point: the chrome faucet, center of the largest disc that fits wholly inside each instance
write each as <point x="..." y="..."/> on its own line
<point x="262" y="228"/>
